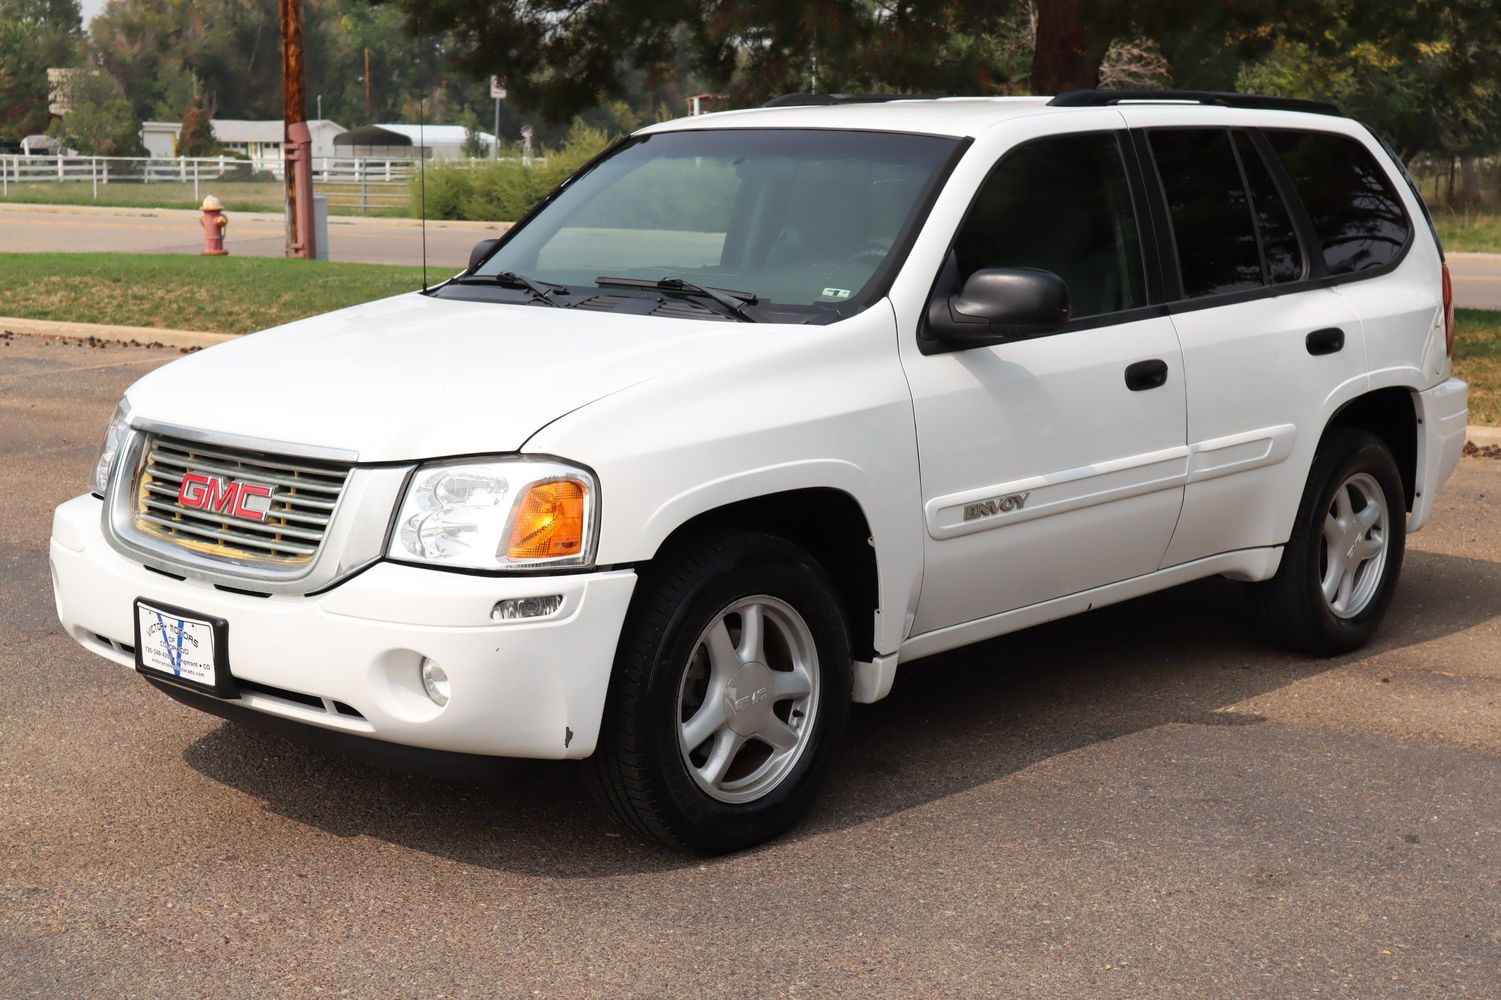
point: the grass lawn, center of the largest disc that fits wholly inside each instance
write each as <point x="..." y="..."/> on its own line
<point x="1477" y="360"/>
<point x="1469" y="231"/>
<point x="237" y="196"/>
<point x="177" y="291"/>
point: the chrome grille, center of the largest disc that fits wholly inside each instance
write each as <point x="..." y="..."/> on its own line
<point x="304" y="494"/>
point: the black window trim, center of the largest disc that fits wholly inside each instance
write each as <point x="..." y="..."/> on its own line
<point x="1245" y="184"/>
<point x="1152" y="273"/>
<point x="1314" y="266"/>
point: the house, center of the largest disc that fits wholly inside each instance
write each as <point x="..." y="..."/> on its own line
<point x="400" y="141"/>
<point x="261" y="141"/>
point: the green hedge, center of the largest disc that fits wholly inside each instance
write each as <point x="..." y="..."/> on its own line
<point x="503" y="190"/>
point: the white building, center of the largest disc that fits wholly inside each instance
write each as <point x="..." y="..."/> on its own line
<point x="261" y="141"/>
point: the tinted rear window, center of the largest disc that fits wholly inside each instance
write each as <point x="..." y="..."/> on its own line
<point x="1206" y="200"/>
<point x="1357" y="215"/>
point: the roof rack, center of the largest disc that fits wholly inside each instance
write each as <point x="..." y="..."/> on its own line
<point x="823" y="100"/>
<point x="1224" y="99"/>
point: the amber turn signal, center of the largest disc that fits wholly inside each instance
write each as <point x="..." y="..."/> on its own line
<point x="549" y="521"/>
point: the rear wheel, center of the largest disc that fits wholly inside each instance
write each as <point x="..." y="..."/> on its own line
<point x="730" y="691"/>
<point x="1341" y="563"/>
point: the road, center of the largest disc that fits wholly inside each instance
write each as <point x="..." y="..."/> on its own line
<point x="372" y="241"/>
<point x="1477" y="277"/>
<point x="1477" y="280"/>
<point x="1143" y="802"/>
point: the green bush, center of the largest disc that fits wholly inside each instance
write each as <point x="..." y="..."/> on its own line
<point x="503" y="190"/>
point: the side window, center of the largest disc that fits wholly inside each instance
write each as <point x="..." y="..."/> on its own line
<point x="1356" y="212"/>
<point x="1210" y="213"/>
<point x="1063" y="205"/>
<point x="1279" y="240"/>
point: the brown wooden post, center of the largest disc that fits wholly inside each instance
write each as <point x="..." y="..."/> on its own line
<point x="297" y="163"/>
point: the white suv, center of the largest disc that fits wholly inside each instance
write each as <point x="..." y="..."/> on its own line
<point x="760" y="406"/>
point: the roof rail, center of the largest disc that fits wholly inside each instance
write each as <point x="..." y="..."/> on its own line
<point x="823" y="100"/>
<point x="1224" y="99"/>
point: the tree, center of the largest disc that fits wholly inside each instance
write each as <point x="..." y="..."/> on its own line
<point x="196" y="138"/>
<point x="565" y="56"/>
<point x="35" y="35"/>
<point x="106" y="129"/>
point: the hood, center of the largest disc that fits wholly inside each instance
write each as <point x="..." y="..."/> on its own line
<point x="414" y="377"/>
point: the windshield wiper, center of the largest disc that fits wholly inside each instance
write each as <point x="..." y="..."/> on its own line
<point x="733" y="302"/>
<point x="542" y="291"/>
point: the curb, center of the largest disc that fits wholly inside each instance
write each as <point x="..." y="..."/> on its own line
<point x="128" y="336"/>
<point x="276" y="217"/>
<point x="1480" y="437"/>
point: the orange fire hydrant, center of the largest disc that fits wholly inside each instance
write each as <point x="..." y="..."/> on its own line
<point x="214" y="222"/>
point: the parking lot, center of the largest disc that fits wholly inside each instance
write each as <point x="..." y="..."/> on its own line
<point x="1144" y="801"/>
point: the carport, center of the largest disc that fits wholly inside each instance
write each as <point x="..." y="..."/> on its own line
<point x="375" y="142"/>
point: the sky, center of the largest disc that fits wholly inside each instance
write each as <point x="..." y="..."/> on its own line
<point x="90" y="8"/>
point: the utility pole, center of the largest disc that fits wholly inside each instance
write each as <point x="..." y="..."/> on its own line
<point x="297" y="143"/>
<point x="369" y="116"/>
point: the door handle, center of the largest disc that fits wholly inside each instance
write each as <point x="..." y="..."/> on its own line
<point x="1145" y="375"/>
<point x="1329" y="340"/>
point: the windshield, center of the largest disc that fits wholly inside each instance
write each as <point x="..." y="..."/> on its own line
<point x="802" y="220"/>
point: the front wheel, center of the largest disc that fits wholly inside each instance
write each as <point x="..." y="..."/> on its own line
<point x="1341" y="563"/>
<point x="731" y="688"/>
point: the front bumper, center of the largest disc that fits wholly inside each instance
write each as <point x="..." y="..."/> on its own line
<point x="530" y="688"/>
<point x="1443" y="412"/>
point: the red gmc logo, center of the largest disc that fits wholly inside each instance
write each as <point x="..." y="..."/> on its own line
<point x="251" y="501"/>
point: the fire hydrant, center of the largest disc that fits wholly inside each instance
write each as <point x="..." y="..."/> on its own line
<point x="214" y="222"/>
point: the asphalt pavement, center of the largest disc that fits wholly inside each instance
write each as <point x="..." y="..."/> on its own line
<point x="73" y="229"/>
<point x="1477" y="279"/>
<point x="1146" y="801"/>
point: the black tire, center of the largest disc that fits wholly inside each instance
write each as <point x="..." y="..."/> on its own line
<point x="1292" y="606"/>
<point x="639" y="768"/>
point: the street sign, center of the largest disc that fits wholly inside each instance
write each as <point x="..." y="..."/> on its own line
<point x="497" y="89"/>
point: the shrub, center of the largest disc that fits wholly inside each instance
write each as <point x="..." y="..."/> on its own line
<point x="504" y="190"/>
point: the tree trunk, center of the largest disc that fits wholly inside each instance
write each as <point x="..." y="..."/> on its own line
<point x="1469" y="180"/>
<point x="1067" y="56"/>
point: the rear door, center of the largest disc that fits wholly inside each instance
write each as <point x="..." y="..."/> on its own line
<point x="1267" y="351"/>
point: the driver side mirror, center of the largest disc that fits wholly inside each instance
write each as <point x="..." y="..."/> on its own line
<point x="998" y="304"/>
<point x="481" y="251"/>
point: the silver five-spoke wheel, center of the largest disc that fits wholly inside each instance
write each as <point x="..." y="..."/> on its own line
<point x="748" y="699"/>
<point x="1353" y="552"/>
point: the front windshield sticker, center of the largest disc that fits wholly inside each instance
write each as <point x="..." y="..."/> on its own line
<point x="836" y="293"/>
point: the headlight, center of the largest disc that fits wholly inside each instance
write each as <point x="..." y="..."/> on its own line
<point x="503" y="514"/>
<point x="114" y="437"/>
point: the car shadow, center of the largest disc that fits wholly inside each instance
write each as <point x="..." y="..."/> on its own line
<point x="953" y="722"/>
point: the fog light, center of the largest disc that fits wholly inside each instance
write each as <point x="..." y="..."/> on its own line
<point x="435" y="681"/>
<point x="514" y="608"/>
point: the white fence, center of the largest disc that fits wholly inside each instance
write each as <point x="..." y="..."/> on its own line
<point x="353" y="183"/>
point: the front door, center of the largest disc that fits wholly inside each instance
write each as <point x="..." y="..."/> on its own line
<point x="1051" y="465"/>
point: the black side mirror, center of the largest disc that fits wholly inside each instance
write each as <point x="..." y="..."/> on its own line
<point x="480" y="252"/>
<point x="998" y="304"/>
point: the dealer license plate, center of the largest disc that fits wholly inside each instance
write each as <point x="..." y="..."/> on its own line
<point x="175" y="643"/>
